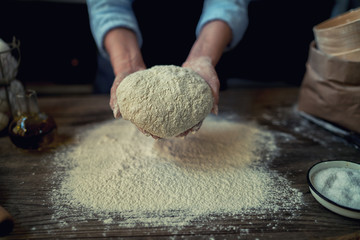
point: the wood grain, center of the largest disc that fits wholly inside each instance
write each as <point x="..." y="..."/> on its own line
<point x="25" y="186"/>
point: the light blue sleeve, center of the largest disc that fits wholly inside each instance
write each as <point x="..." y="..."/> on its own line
<point x="105" y="15"/>
<point x="233" y="12"/>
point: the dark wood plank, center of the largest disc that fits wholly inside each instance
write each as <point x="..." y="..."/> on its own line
<point x="25" y="189"/>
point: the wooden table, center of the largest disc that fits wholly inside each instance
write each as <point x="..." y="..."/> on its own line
<point x="24" y="190"/>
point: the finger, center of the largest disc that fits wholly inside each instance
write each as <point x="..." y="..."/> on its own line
<point x="113" y="89"/>
<point x="118" y="79"/>
<point x="116" y="111"/>
<point x="113" y="98"/>
<point x="113" y="103"/>
<point x="212" y="80"/>
<point x="146" y="133"/>
<point x="205" y="69"/>
<point x="194" y="129"/>
<point x="215" y="88"/>
<point x="184" y="134"/>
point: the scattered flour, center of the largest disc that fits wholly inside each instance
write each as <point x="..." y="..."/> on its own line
<point x="116" y="174"/>
<point x="341" y="185"/>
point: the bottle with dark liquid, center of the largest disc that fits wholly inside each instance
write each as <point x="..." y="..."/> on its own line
<point x="30" y="128"/>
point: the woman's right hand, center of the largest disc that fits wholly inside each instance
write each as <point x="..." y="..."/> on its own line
<point x="125" y="56"/>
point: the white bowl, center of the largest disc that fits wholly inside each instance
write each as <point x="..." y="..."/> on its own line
<point x="326" y="202"/>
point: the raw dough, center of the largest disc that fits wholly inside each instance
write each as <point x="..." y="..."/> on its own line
<point x="165" y="100"/>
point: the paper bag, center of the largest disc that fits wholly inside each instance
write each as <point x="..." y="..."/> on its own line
<point x="331" y="89"/>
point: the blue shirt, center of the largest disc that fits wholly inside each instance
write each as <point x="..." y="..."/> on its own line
<point x="108" y="14"/>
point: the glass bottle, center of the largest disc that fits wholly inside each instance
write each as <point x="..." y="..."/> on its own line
<point x="30" y="128"/>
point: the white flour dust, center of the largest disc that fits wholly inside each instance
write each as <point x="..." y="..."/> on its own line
<point x="116" y="174"/>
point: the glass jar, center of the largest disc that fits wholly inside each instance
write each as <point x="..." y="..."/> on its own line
<point x="30" y="128"/>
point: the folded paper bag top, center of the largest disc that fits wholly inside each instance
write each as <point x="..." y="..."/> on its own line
<point x="331" y="89"/>
<point x="340" y="33"/>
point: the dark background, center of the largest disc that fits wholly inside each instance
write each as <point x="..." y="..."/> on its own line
<point x="57" y="46"/>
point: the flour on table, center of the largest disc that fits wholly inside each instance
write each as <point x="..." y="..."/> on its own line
<point x="117" y="174"/>
<point x="165" y="100"/>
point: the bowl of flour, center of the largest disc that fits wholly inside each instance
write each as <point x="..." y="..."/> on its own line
<point x="165" y="100"/>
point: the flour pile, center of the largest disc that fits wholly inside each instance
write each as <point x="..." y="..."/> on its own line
<point x="115" y="172"/>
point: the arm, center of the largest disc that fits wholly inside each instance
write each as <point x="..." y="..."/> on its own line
<point x="118" y="38"/>
<point x="232" y="12"/>
<point x="106" y="15"/>
<point x="206" y="52"/>
<point x="221" y="26"/>
<point x="211" y="42"/>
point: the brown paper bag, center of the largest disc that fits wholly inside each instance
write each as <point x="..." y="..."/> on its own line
<point x="331" y="89"/>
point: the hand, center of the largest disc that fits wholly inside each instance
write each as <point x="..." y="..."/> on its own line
<point x="194" y="129"/>
<point x="113" y="99"/>
<point x="203" y="66"/>
<point x="204" y="55"/>
<point x="116" y="110"/>
<point x="125" y="56"/>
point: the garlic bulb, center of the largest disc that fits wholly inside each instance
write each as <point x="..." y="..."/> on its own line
<point x="8" y="63"/>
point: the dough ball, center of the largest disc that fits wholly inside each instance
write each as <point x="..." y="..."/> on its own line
<point x="164" y="100"/>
